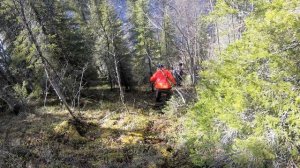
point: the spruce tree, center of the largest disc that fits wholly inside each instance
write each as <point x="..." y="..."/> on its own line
<point x="111" y="44"/>
<point x="145" y="46"/>
<point x="168" y="51"/>
<point x="248" y="108"/>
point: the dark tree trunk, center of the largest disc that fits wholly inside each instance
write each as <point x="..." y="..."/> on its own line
<point x="51" y="74"/>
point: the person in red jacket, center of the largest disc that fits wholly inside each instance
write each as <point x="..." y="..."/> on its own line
<point x="163" y="80"/>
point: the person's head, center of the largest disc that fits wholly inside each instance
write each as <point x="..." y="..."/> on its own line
<point x="160" y="66"/>
<point x="180" y="64"/>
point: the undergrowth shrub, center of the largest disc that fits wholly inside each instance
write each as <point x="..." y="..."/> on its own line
<point x="247" y="114"/>
<point x="21" y="90"/>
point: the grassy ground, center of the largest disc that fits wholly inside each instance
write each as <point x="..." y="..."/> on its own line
<point x="140" y="136"/>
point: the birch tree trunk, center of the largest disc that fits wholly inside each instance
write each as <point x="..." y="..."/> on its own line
<point x="118" y="77"/>
<point x="216" y="27"/>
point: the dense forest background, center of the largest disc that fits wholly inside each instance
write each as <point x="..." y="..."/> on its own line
<point x="75" y="91"/>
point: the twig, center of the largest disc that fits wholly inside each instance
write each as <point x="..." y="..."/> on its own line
<point x="46" y="93"/>
<point x="80" y="84"/>
<point x="180" y="94"/>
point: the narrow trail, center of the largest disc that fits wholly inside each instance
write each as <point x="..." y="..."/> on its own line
<point x="144" y="137"/>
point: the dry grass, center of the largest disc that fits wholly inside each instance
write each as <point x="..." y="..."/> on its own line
<point x="46" y="137"/>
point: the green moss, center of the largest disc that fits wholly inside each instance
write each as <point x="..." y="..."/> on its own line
<point x="114" y="156"/>
<point x="163" y="150"/>
<point x="132" y="138"/>
<point x="134" y="122"/>
<point x="69" y="132"/>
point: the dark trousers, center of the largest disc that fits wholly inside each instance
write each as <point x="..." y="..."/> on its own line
<point x="159" y="92"/>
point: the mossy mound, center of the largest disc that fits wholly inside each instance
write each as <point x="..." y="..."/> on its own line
<point x="67" y="132"/>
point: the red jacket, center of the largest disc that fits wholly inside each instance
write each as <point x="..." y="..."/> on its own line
<point x="162" y="78"/>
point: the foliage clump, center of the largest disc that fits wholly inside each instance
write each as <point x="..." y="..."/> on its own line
<point x="248" y="108"/>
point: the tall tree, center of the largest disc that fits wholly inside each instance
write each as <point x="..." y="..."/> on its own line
<point x="145" y="46"/>
<point x="111" y="49"/>
<point x="186" y="18"/>
<point x="169" y="53"/>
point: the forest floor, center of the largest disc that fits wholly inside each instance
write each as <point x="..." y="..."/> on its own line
<point x="141" y="136"/>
